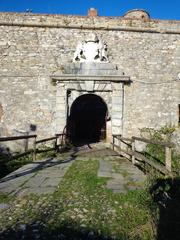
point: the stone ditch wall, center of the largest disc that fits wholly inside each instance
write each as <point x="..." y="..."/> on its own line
<point x="33" y="47"/>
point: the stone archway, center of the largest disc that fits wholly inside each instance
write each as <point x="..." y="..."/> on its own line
<point x="85" y="78"/>
<point x="87" y="120"/>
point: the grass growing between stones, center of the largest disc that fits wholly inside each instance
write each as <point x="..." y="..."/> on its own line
<point x="4" y="198"/>
<point x="81" y="208"/>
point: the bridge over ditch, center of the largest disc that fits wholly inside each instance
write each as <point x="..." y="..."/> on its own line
<point x="44" y="176"/>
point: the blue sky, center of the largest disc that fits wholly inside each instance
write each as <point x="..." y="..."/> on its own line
<point x="160" y="9"/>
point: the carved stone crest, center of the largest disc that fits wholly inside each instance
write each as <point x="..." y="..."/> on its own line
<point x="91" y="50"/>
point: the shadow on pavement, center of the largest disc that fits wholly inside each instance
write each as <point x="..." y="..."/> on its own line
<point x="38" y="165"/>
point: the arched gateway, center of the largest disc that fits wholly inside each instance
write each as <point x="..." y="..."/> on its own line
<point x="80" y="86"/>
<point x="87" y="120"/>
<point x="80" y="107"/>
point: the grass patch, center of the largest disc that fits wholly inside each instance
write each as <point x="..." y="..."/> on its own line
<point x="157" y="152"/>
<point x="81" y="208"/>
<point x="176" y="163"/>
<point x="4" y="198"/>
<point x="8" y="165"/>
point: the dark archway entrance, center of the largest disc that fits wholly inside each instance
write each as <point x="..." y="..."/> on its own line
<point x="87" y="120"/>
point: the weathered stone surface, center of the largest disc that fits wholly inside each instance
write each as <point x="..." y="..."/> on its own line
<point x="39" y="178"/>
<point x="1" y="112"/>
<point x="3" y="206"/>
<point x="123" y="174"/>
<point x="105" y="166"/>
<point x="90" y="68"/>
<point x="137" y="14"/>
<point x="35" y="47"/>
<point x="45" y="176"/>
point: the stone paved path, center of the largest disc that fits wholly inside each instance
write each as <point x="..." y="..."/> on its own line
<point x="44" y="176"/>
<point x="124" y="176"/>
<point x="40" y="177"/>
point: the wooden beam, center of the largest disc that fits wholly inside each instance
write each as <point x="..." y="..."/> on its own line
<point x="168" y="156"/>
<point x="133" y="151"/>
<point x="141" y="157"/>
<point x="165" y="144"/>
<point x="5" y="139"/>
<point x="46" y="139"/>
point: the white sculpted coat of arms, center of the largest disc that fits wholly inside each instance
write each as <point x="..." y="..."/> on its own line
<point x="91" y="50"/>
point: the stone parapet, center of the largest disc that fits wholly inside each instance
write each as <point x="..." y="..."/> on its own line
<point x="84" y="22"/>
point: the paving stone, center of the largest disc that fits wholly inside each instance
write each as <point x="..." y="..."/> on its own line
<point x="17" y="177"/>
<point x="118" y="176"/>
<point x="4" y="206"/>
<point x="51" y="182"/>
<point x="42" y="190"/>
<point x="36" y="181"/>
<point x="19" y="192"/>
<point x="105" y="166"/>
<point x="59" y="173"/>
<point x="133" y="187"/>
<point x="11" y="185"/>
<point x="104" y="174"/>
<point x="114" y="184"/>
<point x="39" y="178"/>
<point x="124" y="175"/>
<point x="36" y="190"/>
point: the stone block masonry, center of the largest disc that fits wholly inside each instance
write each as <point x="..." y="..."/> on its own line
<point x="34" y="47"/>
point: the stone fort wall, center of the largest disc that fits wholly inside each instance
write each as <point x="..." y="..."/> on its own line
<point x="34" y="46"/>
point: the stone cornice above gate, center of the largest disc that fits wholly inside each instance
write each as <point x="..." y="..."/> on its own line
<point x="74" y="77"/>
